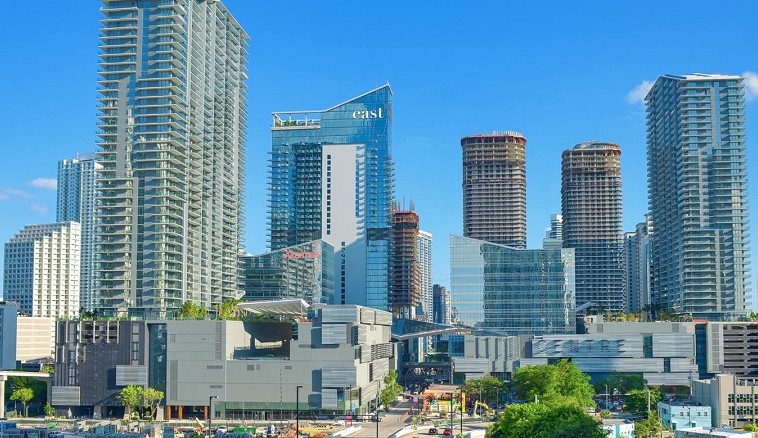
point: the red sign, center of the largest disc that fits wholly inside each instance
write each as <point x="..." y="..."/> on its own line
<point x="300" y="255"/>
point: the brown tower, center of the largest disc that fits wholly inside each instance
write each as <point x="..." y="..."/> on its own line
<point x="405" y="276"/>
<point x="494" y="188"/>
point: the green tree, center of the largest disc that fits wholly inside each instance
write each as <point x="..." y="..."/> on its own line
<point x="605" y="414"/>
<point x="627" y="382"/>
<point x="636" y="401"/>
<point x="131" y="397"/>
<point x="191" y="310"/>
<point x="750" y="427"/>
<point x="552" y="383"/>
<point x="229" y="309"/>
<point x="546" y="420"/>
<point x="484" y="388"/>
<point x="49" y="410"/>
<point x="24" y="395"/>
<point x="391" y="389"/>
<point x="48" y="368"/>
<point x="151" y="398"/>
<point x="648" y="428"/>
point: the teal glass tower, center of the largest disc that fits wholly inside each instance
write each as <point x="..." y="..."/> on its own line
<point x="501" y="290"/>
<point x="331" y="178"/>
<point x="697" y="187"/>
<point x="173" y="114"/>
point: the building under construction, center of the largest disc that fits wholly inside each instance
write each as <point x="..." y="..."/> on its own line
<point x="405" y="276"/>
<point x="592" y="222"/>
<point x="494" y="188"/>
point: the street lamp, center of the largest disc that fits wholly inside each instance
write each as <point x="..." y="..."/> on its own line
<point x="606" y="396"/>
<point x="378" y="388"/>
<point x="210" y="414"/>
<point x="297" y="410"/>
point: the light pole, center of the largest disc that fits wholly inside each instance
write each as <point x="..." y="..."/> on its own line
<point x="606" y="397"/>
<point x="378" y="388"/>
<point x="210" y="414"/>
<point x="463" y="403"/>
<point x="297" y="410"/>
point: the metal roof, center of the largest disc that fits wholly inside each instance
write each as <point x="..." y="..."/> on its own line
<point x="292" y="307"/>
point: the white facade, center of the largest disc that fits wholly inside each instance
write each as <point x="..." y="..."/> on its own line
<point x="42" y="270"/>
<point x="173" y="114"/>
<point x="425" y="272"/>
<point x="342" y="224"/>
<point x="35" y="338"/>
<point x="76" y="202"/>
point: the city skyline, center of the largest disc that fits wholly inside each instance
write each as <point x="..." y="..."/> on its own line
<point x="426" y="128"/>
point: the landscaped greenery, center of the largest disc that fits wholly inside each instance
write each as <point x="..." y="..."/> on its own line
<point x="556" y="397"/>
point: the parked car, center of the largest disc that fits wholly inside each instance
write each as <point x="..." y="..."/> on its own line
<point x="433" y="431"/>
<point x="447" y="432"/>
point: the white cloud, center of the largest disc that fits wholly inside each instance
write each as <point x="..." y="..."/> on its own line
<point x="44" y="183"/>
<point x="39" y="209"/>
<point x="638" y="93"/>
<point x="14" y="193"/>
<point x="751" y="85"/>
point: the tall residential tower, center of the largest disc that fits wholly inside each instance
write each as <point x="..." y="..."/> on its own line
<point x="425" y="272"/>
<point x="76" y="202"/>
<point x="173" y="114"/>
<point x="494" y="188"/>
<point x="331" y="178"/>
<point x="42" y="270"/>
<point x="592" y="222"/>
<point x="697" y="186"/>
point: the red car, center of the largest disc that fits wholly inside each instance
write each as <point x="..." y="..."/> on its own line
<point x="447" y="432"/>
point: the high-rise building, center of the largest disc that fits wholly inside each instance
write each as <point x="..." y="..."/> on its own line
<point x="554" y="234"/>
<point x="441" y="307"/>
<point x="304" y="271"/>
<point x="494" y="188"/>
<point x="173" y="114"/>
<point x="405" y="275"/>
<point x="697" y="187"/>
<point x="8" y="335"/>
<point x="76" y="202"/>
<point x="42" y="270"/>
<point x="592" y="222"/>
<point x="508" y="291"/>
<point x="637" y="261"/>
<point x="331" y="178"/>
<point x="425" y="272"/>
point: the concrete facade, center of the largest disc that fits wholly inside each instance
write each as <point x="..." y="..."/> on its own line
<point x="732" y="348"/>
<point x="35" y="339"/>
<point x="339" y="357"/>
<point x="733" y="400"/>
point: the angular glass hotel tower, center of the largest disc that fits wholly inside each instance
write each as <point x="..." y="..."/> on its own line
<point x="697" y="186"/>
<point x="331" y="178"/>
<point x="172" y="131"/>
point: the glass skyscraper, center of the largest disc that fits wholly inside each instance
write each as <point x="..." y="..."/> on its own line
<point x="331" y="178"/>
<point x="304" y="271"/>
<point x="425" y="272"/>
<point x="592" y="222"/>
<point x="697" y="186"/>
<point x="173" y="112"/>
<point x="508" y="291"/>
<point x="76" y="202"/>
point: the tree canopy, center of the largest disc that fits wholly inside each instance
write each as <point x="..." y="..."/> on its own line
<point x="636" y="401"/>
<point x="648" y="428"/>
<point x="229" y="309"/>
<point x="484" y="388"/>
<point x="24" y="395"/>
<point x="391" y="389"/>
<point x="190" y="310"/>
<point x="562" y="382"/>
<point x="546" y="420"/>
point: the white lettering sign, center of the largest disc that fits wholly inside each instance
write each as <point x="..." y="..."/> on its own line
<point x="368" y="114"/>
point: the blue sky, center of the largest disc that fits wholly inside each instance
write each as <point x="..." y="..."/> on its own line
<point x="559" y="72"/>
